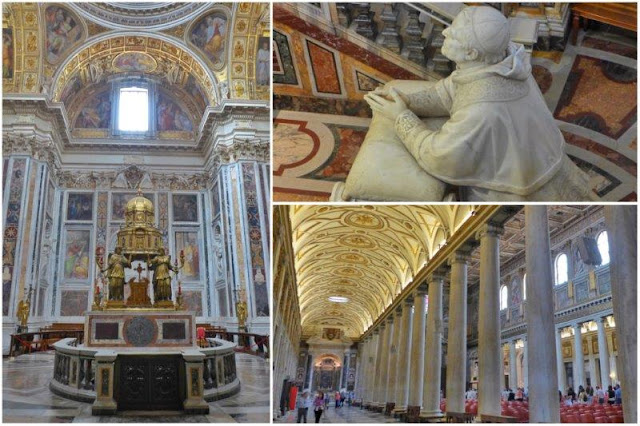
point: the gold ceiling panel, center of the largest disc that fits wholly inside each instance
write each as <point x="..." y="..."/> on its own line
<point x="365" y="253"/>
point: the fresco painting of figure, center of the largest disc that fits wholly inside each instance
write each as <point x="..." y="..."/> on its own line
<point x="170" y="116"/>
<point x="188" y="243"/>
<point x="62" y="32"/>
<point x="263" y="62"/>
<point x="80" y="206"/>
<point x="7" y="53"/>
<point x="192" y="87"/>
<point x="210" y="35"/>
<point x="96" y="113"/>
<point x="185" y="207"/>
<point x="76" y="261"/>
<point x="135" y="61"/>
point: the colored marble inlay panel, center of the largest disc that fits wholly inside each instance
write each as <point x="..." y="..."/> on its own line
<point x="192" y="301"/>
<point x="163" y="216"/>
<point x="285" y="73"/>
<point x="12" y="220"/>
<point x="73" y="303"/>
<point x="325" y="71"/>
<point x="255" y="241"/>
<point x="608" y="154"/>
<point x="349" y="140"/>
<point x="101" y="237"/>
<point x="599" y="95"/>
<point x="366" y="83"/>
<point x="351" y="108"/>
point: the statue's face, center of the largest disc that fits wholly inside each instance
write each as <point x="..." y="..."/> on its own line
<point x="118" y="250"/>
<point x="452" y="48"/>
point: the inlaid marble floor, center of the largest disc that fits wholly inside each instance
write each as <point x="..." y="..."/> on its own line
<point x="26" y="397"/>
<point x="341" y="415"/>
<point x="590" y="88"/>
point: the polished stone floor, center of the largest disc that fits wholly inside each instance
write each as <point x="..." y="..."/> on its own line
<point x="341" y="415"/>
<point x="590" y="88"/>
<point x="26" y="397"/>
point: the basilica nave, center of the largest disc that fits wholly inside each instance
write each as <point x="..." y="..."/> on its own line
<point x="506" y="295"/>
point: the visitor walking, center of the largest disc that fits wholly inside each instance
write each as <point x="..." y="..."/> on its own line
<point x="303" y="402"/>
<point x="611" y="395"/>
<point x="599" y="395"/>
<point x="318" y="406"/>
<point x="618" y="394"/>
<point x="337" y="399"/>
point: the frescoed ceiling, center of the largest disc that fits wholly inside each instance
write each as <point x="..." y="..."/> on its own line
<point x="198" y="54"/>
<point x="367" y="254"/>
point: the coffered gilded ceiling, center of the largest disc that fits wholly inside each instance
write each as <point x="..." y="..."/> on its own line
<point x="367" y="254"/>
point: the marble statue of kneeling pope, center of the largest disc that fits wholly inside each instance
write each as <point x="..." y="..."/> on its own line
<point x="485" y="129"/>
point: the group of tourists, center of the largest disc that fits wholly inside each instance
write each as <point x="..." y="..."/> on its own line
<point x="612" y="395"/>
<point x="319" y="402"/>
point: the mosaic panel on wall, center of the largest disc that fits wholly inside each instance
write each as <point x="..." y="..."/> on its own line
<point x="12" y="221"/>
<point x="209" y="34"/>
<point x="77" y="254"/>
<point x="255" y="241"/>
<point x="187" y="242"/>
<point x="80" y="206"/>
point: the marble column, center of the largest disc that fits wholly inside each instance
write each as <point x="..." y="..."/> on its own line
<point x="433" y="353"/>
<point x="578" y="357"/>
<point x="404" y="351"/>
<point x="384" y="362"/>
<point x="457" y="338"/>
<point x="489" y="353"/>
<point x="562" y="377"/>
<point x="525" y="362"/>
<point x="345" y="369"/>
<point x="543" y="394"/>
<point x="416" y="379"/>
<point x="371" y="377"/>
<point x="513" y="378"/>
<point x="603" y="354"/>
<point x="622" y="232"/>
<point x="392" y="375"/>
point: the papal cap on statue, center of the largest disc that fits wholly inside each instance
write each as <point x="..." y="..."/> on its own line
<point x="490" y="29"/>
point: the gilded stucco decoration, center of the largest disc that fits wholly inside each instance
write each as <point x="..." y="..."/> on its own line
<point x="21" y="47"/>
<point x="250" y="52"/>
<point x="365" y="253"/>
<point x="150" y="55"/>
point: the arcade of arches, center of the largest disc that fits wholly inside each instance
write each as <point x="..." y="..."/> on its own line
<point x="406" y="308"/>
<point x="196" y="144"/>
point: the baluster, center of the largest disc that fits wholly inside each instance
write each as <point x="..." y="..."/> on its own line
<point x="390" y="37"/>
<point x="88" y="385"/>
<point x="214" y="373"/>
<point x="440" y="62"/>
<point x="364" y="21"/>
<point x="56" y="367"/>
<point x="344" y="14"/>
<point x="82" y="376"/>
<point x="414" y="43"/>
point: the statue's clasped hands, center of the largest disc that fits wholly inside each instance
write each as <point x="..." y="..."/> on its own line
<point x="387" y="102"/>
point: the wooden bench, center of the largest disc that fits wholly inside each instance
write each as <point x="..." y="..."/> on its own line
<point x="486" y="418"/>
<point x="622" y="15"/>
<point x="457" y="417"/>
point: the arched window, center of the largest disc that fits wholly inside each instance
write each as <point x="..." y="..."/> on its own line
<point x="603" y="247"/>
<point x="524" y="287"/>
<point x="503" y="297"/>
<point x="562" y="269"/>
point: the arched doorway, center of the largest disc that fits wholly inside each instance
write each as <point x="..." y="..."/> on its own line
<point x="326" y="373"/>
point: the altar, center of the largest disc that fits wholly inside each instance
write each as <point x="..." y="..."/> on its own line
<point x="141" y="352"/>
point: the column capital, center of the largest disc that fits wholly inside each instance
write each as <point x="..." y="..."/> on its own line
<point x="602" y="320"/>
<point x="577" y="326"/>
<point x="408" y="301"/>
<point x="376" y="330"/>
<point x="398" y="310"/>
<point x="490" y="229"/>
<point x="421" y="290"/>
<point x="459" y="257"/>
<point x="437" y="276"/>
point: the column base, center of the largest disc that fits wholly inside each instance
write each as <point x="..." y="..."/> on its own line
<point x="104" y="408"/>
<point x="428" y="415"/>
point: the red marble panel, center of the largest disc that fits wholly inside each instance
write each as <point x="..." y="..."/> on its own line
<point x="608" y="154"/>
<point x="348" y="48"/>
<point x="325" y="70"/>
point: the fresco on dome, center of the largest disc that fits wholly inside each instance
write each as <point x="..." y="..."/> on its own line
<point x="187" y="242"/>
<point x="134" y="61"/>
<point x="72" y="87"/>
<point x="210" y="35"/>
<point x="263" y="61"/>
<point x="193" y="88"/>
<point x="76" y="261"/>
<point x="7" y="53"/>
<point x="170" y="116"/>
<point x="95" y="113"/>
<point x="62" y="32"/>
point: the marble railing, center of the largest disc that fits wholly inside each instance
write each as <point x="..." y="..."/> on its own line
<point x="74" y="370"/>
<point x="410" y="30"/>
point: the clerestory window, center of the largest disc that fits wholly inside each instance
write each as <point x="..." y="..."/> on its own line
<point x="133" y="109"/>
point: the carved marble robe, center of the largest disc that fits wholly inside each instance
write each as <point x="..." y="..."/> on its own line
<point x="500" y="142"/>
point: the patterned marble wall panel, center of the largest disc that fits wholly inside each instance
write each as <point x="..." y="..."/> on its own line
<point x="163" y="216"/>
<point x="42" y="294"/>
<point x="581" y="289"/>
<point x="101" y="236"/>
<point x="193" y="301"/>
<point x="325" y="69"/>
<point x="73" y="302"/>
<point x="222" y="301"/>
<point x="255" y="231"/>
<point x="603" y="278"/>
<point x="284" y="68"/>
<point x="11" y="229"/>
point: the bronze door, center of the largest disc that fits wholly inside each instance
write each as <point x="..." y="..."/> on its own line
<point x="149" y="383"/>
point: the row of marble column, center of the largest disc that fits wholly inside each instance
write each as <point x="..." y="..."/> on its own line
<point x="407" y="371"/>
